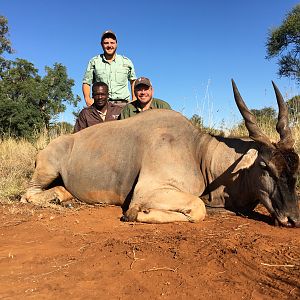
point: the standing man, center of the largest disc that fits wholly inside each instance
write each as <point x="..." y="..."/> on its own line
<point x="113" y="69"/>
<point x="144" y="93"/>
<point x="100" y="111"/>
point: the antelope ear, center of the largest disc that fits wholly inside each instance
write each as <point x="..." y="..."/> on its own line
<point x="246" y="161"/>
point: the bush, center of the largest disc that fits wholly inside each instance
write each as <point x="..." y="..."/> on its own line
<point x="19" y="119"/>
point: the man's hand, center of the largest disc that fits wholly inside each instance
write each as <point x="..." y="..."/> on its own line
<point x="86" y="89"/>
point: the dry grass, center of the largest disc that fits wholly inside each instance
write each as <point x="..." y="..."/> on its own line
<point x="270" y="131"/>
<point x="17" y="163"/>
<point x="296" y="135"/>
<point x="267" y="128"/>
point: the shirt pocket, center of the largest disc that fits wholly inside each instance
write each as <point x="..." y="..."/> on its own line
<point x="121" y="76"/>
<point x="100" y="75"/>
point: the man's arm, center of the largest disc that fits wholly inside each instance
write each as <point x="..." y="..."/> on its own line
<point x="132" y="89"/>
<point x="166" y="106"/>
<point x="86" y="89"/>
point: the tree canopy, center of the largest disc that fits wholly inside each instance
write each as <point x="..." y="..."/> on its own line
<point x="29" y="102"/>
<point x="5" y="44"/>
<point x="266" y="115"/>
<point x="284" y="42"/>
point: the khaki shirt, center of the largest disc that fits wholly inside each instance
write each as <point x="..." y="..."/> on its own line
<point x="115" y="74"/>
<point x="133" y="108"/>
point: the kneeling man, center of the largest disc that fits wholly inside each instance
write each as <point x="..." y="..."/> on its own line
<point x="143" y="91"/>
<point x="100" y="111"/>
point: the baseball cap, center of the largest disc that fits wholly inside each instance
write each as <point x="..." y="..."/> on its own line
<point x="143" y="80"/>
<point x="108" y="33"/>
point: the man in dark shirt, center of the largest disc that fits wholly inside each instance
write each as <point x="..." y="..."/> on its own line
<point x="100" y="111"/>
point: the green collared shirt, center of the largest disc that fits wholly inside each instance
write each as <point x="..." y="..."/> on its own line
<point x="115" y="74"/>
<point x="133" y="108"/>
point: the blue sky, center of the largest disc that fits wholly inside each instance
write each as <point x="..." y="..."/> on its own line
<point x="190" y="50"/>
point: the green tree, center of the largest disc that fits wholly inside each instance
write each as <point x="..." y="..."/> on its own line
<point x="45" y="97"/>
<point x="266" y="119"/>
<point x="28" y="101"/>
<point x="56" y="92"/>
<point x="19" y="90"/>
<point x="5" y="44"/>
<point x="266" y="115"/>
<point x="19" y="119"/>
<point x="284" y="42"/>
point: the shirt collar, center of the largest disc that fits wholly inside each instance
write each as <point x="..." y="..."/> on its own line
<point x="104" y="59"/>
<point x="106" y="107"/>
<point x="138" y="107"/>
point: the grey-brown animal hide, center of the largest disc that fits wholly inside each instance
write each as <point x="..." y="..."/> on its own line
<point x="162" y="164"/>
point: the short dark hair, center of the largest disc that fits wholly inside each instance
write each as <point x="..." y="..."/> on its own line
<point x="100" y="83"/>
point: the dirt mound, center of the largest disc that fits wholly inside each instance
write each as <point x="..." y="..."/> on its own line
<point x="88" y="253"/>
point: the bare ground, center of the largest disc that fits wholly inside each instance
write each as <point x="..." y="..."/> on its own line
<point x="88" y="253"/>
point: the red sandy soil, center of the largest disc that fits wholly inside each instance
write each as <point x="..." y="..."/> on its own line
<point x="88" y="253"/>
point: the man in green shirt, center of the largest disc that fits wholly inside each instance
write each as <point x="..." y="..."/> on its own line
<point x="113" y="69"/>
<point x="143" y="91"/>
